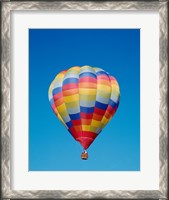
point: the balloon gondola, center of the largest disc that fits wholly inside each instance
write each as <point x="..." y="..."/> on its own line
<point x="84" y="155"/>
<point x="84" y="99"/>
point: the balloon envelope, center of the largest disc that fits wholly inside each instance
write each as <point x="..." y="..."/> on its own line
<point x="84" y="99"/>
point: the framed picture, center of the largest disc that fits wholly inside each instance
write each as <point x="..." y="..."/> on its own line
<point x="84" y="99"/>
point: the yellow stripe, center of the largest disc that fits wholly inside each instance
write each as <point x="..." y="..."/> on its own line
<point x="58" y="80"/>
<point x="61" y="108"/>
<point x="95" y="123"/>
<point x="87" y="66"/>
<point x="104" y="87"/>
<point x="104" y="120"/>
<point x="71" y="98"/>
<point x="93" y="129"/>
<point x="60" y="75"/>
<point x="64" y="113"/>
<point x="115" y="87"/>
<point x="86" y="127"/>
<point x="116" y="93"/>
<point x="74" y="70"/>
<point x="88" y="97"/>
<point x="104" y="94"/>
<point x="101" y="126"/>
<point x="87" y="91"/>
<point x="62" y="121"/>
<point x="50" y="88"/>
<point x="59" y="117"/>
<point x="72" y="104"/>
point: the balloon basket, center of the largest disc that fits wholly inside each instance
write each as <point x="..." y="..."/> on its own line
<point x="84" y="155"/>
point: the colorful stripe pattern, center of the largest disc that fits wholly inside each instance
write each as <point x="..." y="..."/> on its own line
<point x="84" y="99"/>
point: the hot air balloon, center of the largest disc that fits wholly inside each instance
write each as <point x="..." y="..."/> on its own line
<point x="84" y="99"/>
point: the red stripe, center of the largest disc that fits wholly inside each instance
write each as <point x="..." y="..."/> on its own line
<point x="53" y="106"/>
<point x="58" y="102"/>
<point x="111" y="110"/>
<point x="76" y="122"/>
<point x="69" y="86"/>
<point x="89" y="134"/>
<point x="99" y="111"/>
<point x="87" y="79"/>
<point x="97" y="117"/>
<point x="82" y="134"/>
<point x="77" y="134"/>
<point x="63" y="72"/>
<point x="84" y="137"/>
<point x="112" y="78"/>
<point x="57" y="96"/>
<point x="86" y="115"/>
<point x="74" y="132"/>
<point x="102" y="76"/>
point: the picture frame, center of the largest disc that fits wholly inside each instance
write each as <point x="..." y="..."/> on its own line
<point x="6" y="92"/>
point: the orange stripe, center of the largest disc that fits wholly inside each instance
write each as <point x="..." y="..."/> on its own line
<point x="97" y="117"/>
<point x="103" y="81"/>
<point x="58" y="102"/>
<point x="78" y="128"/>
<point x="86" y="121"/>
<point x="107" y="115"/>
<point x="70" y="92"/>
<point x="87" y="85"/>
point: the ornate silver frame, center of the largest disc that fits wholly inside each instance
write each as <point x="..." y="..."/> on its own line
<point x="7" y="7"/>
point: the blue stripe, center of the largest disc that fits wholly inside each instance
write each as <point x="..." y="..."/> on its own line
<point x="69" y="124"/>
<point x="75" y="116"/>
<point x="70" y="80"/>
<point x="84" y="74"/>
<point x="101" y="105"/>
<point x="101" y="73"/>
<point x="51" y="101"/>
<point x="57" y="90"/>
<point x="113" y="104"/>
<point x="86" y="110"/>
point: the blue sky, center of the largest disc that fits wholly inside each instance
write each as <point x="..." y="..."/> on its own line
<point x="117" y="51"/>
